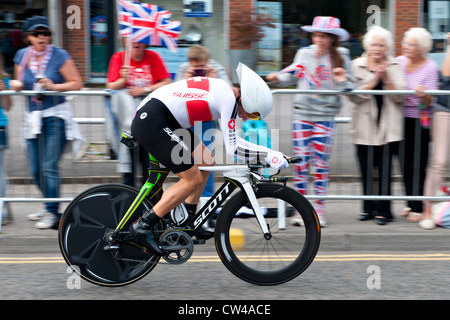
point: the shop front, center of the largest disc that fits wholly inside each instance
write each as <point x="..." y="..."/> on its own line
<point x="278" y="49"/>
<point x="208" y="22"/>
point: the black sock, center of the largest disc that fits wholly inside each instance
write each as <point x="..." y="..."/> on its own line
<point x="150" y="217"/>
<point x="190" y="208"/>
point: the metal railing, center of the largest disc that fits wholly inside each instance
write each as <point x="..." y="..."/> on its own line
<point x="356" y="92"/>
<point x="340" y="119"/>
<point x="344" y="119"/>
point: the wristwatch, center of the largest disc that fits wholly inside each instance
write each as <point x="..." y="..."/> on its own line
<point x="148" y="89"/>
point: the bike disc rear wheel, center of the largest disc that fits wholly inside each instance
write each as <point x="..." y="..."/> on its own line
<point x="248" y="254"/>
<point x="83" y="226"/>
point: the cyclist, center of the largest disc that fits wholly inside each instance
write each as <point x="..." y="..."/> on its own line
<point x="174" y="107"/>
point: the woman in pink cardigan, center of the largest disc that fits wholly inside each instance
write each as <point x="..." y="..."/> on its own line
<point x="421" y="74"/>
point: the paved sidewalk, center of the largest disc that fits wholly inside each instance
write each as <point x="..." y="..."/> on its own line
<point x="343" y="232"/>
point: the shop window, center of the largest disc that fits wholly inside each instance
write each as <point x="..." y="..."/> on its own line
<point x="436" y="20"/>
<point x="101" y="45"/>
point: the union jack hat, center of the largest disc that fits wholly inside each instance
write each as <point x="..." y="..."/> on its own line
<point x="328" y="25"/>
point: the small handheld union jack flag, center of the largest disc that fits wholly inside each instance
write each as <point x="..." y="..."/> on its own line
<point x="125" y="14"/>
<point x="300" y="72"/>
<point x="148" y="23"/>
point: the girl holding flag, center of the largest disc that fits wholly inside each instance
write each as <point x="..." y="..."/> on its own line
<point x="322" y="66"/>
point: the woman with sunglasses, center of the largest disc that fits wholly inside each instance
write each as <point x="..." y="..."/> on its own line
<point x="48" y="125"/>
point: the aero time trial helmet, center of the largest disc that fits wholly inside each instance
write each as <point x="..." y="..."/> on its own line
<point x="255" y="93"/>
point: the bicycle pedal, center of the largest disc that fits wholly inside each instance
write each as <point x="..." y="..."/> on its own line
<point x="199" y="241"/>
<point x="111" y="247"/>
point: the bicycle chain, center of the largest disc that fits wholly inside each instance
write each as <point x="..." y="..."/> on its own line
<point x="130" y="260"/>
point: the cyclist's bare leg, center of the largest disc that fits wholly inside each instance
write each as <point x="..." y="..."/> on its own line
<point x="190" y="186"/>
<point x="177" y="193"/>
<point x="202" y="157"/>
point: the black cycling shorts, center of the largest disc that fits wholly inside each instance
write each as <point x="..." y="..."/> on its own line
<point x="155" y="128"/>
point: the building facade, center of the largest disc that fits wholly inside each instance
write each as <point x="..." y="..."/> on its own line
<point x="88" y="28"/>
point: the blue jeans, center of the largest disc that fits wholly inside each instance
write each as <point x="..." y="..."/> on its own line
<point x="44" y="154"/>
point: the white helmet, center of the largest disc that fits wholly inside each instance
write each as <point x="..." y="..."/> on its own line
<point x="255" y="93"/>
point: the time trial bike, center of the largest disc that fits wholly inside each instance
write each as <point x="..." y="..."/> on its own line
<point x="94" y="239"/>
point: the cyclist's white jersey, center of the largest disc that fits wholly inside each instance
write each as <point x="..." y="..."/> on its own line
<point x="206" y="99"/>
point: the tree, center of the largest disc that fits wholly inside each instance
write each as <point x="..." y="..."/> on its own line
<point x="247" y="27"/>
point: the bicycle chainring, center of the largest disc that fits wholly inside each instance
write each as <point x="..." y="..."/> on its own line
<point x="178" y="246"/>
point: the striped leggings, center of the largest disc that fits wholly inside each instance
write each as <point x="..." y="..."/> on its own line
<point x="313" y="141"/>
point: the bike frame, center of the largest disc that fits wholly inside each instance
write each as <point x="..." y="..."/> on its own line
<point x="238" y="176"/>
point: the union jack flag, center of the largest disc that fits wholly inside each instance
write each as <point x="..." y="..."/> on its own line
<point x="300" y="72"/>
<point x="323" y="72"/>
<point x="149" y="24"/>
<point x="125" y="15"/>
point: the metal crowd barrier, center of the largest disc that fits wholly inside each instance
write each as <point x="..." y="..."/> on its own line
<point x="274" y="92"/>
<point x="103" y="93"/>
<point x="348" y="119"/>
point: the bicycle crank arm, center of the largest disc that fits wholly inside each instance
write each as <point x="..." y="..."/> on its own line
<point x="170" y="248"/>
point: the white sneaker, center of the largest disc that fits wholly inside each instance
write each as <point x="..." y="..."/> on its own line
<point x="36" y="216"/>
<point x="427" y="224"/>
<point x="50" y="221"/>
<point x="297" y="222"/>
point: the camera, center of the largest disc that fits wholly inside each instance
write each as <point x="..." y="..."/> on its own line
<point x="199" y="73"/>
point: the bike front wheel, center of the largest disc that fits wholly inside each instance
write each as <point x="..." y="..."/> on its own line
<point x="82" y="230"/>
<point x="267" y="259"/>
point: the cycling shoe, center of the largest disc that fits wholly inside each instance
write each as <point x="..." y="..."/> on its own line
<point x="204" y="233"/>
<point x="142" y="231"/>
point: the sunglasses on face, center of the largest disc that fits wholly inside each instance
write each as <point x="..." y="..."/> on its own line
<point x="45" y="33"/>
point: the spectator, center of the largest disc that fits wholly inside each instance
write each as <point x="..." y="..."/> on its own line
<point x="5" y="105"/>
<point x="440" y="135"/>
<point x="145" y="73"/>
<point x="377" y="120"/>
<point x="421" y="74"/>
<point x="200" y="64"/>
<point x="325" y="65"/>
<point x="48" y="127"/>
